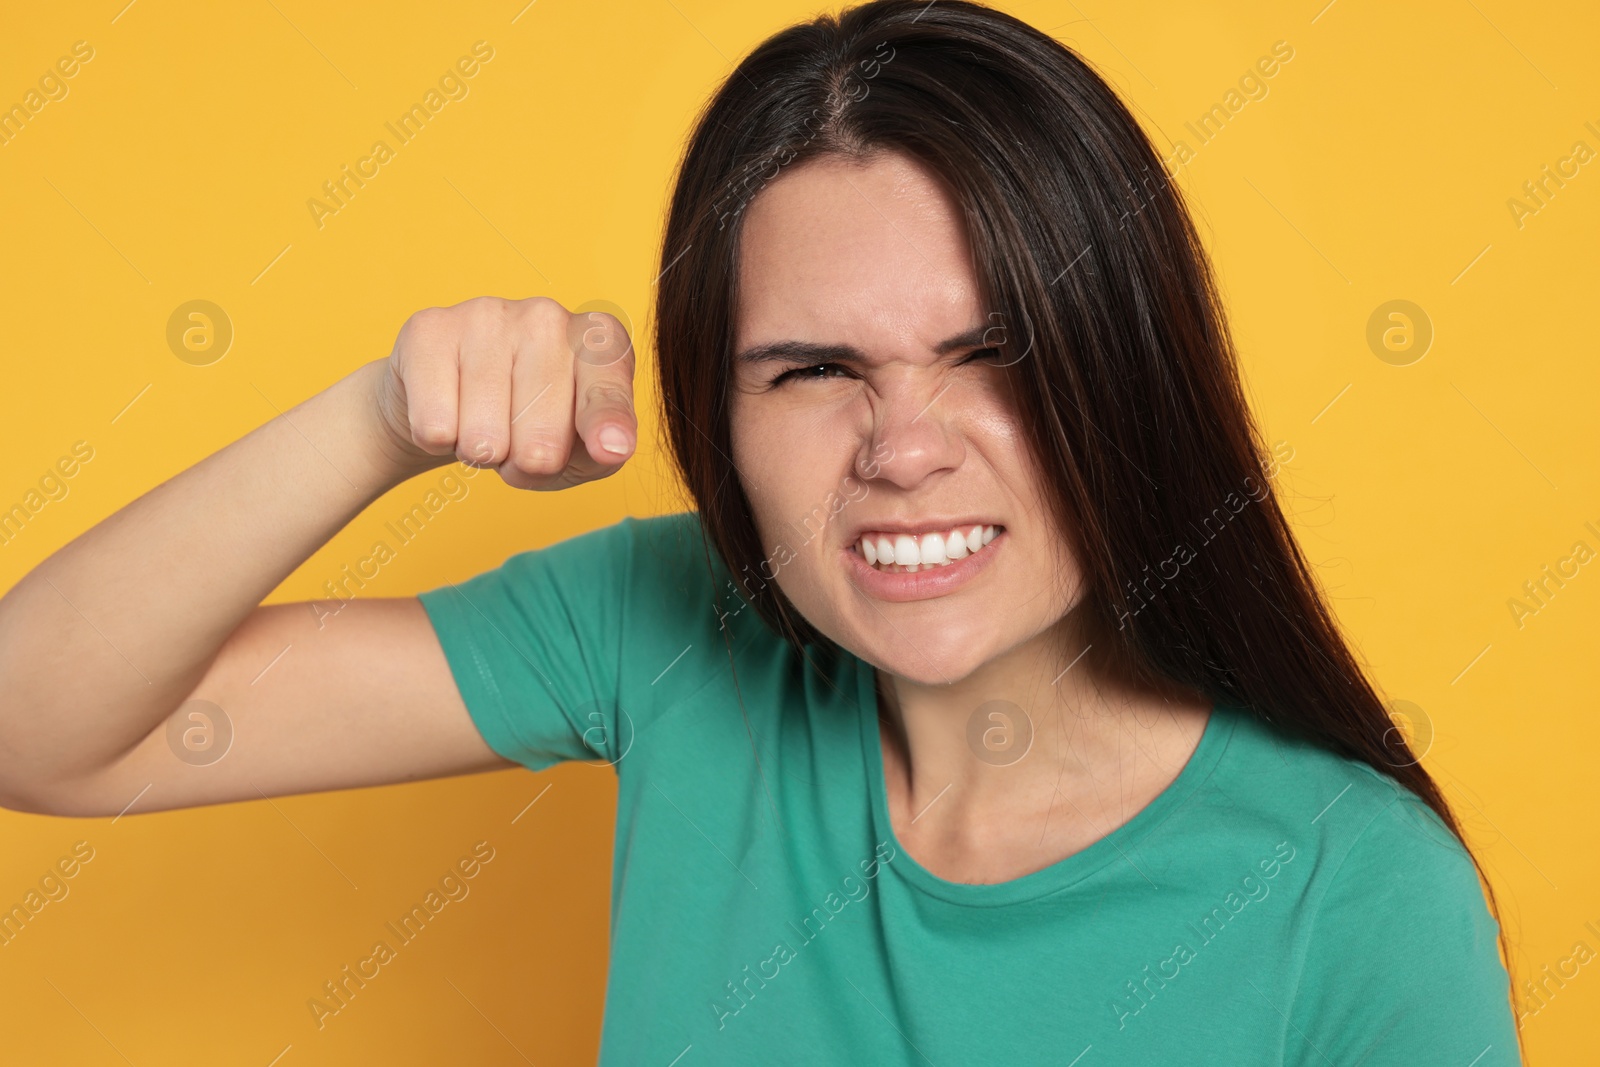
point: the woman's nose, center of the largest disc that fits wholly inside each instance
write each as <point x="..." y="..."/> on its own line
<point x="911" y="438"/>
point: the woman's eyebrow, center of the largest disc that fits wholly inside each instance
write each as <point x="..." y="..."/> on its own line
<point x="811" y="351"/>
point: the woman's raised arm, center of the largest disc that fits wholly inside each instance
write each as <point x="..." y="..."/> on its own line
<point x="159" y="604"/>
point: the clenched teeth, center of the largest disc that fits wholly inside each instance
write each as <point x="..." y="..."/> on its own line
<point x="906" y="552"/>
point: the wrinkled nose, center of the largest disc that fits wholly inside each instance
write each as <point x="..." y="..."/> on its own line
<point x="910" y="439"/>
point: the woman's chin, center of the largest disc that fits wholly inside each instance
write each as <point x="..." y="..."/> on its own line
<point x="931" y="663"/>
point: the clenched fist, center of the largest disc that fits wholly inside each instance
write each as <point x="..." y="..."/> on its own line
<point x="543" y="396"/>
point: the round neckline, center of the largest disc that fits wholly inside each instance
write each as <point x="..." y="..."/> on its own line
<point x="1113" y="847"/>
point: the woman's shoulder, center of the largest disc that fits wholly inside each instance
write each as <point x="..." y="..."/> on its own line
<point x="676" y="573"/>
<point x="675" y="549"/>
<point x="687" y="615"/>
<point x="1333" y="803"/>
<point x="600" y="633"/>
<point x="1388" y="894"/>
<point x="1393" y="935"/>
<point x="645" y="573"/>
<point x="662" y="562"/>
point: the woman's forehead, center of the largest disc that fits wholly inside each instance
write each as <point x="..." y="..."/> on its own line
<point x="833" y="245"/>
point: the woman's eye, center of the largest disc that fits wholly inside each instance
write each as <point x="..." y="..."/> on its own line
<point x="820" y="371"/>
<point x="808" y="373"/>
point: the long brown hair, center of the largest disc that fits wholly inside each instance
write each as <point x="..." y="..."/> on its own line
<point x="1124" y="369"/>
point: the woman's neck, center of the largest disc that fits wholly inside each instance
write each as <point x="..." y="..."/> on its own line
<point x="1029" y="759"/>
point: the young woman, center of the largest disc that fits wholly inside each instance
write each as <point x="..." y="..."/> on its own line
<point x="984" y="711"/>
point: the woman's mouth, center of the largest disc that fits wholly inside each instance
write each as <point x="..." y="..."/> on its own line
<point x="943" y="561"/>
<point x="901" y="553"/>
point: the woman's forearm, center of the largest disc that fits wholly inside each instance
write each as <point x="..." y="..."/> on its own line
<point x="105" y="638"/>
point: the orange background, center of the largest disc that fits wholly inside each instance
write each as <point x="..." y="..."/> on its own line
<point x="1380" y="164"/>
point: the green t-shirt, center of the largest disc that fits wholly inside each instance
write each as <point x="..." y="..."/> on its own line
<point x="1276" y="904"/>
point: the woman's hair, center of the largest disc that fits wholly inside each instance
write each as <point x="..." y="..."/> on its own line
<point x="1124" y="370"/>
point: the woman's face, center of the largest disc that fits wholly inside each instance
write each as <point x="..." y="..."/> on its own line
<point x="902" y="438"/>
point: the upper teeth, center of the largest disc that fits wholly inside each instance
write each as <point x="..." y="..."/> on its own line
<point x="931" y="549"/>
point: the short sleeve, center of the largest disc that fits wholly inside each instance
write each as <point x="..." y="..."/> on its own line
<point x="1402" y="964"/>
<point x="535" y="646"/>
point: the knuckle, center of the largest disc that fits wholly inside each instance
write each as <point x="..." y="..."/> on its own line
<point x="480" y="310"/>
<point x="544" y="313"/>
<point x="540" y="456"/>
<point x="433" y="437"/>
<point x="480" y="450"/>
<point x="428" y="334"/>
<point x="488" y="327"/>
<point x="604" y="320"/>
<point x="426" y="315"/>
<point x="424" y="321"/>
<point x="608" y="394"/>
<point x="600" y="340"/>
